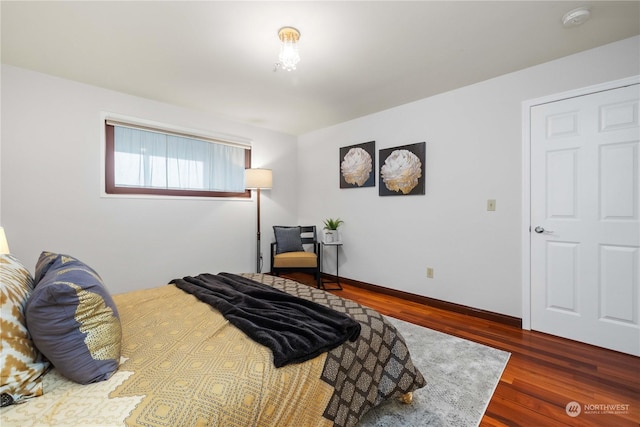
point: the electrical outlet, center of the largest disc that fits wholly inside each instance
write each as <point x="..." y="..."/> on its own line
<point x="429" y="273"/>
<point x="491" y="205"/>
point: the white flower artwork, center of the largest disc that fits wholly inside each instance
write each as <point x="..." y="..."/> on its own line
<point x="402" y="170"/>
<point x="358" y="165"/>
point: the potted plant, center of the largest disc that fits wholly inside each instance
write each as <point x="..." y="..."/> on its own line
<point x="330" y="230"/>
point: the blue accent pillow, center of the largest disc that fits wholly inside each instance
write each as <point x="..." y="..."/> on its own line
<point x="287" y="239"/>
<point x="73" y="320"/>
<point x="42" y="266"/>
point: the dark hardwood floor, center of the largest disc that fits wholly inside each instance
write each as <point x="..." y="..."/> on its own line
<point x="544" y="374"/>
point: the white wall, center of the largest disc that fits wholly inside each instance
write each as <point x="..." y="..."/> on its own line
<point x="51" y="158"/>
<point x="50" y="186"/>
<point x="473" y="153"/>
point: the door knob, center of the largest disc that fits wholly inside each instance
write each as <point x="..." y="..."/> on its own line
<point x="541" y="230"/>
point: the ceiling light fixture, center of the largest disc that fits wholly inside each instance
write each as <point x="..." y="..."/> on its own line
<point x="576" y="17"/>
<point x="289" y="56"/>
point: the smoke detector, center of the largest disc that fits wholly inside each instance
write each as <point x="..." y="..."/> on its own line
<point x="576" y="17"/>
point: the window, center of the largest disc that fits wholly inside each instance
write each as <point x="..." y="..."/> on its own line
<point x="144" y="160"/>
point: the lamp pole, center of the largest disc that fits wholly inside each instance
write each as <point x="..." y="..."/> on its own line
<point x="258" y="252"/>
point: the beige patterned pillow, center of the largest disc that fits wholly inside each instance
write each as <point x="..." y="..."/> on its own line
<point x="21" y="364"/>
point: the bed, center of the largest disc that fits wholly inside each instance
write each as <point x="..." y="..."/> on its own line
<point x="182" y="363"/>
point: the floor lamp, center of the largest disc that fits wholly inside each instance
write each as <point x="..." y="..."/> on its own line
<point x="258" y="179"/>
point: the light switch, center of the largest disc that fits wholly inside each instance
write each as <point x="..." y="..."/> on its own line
<point x="491" y="205"/>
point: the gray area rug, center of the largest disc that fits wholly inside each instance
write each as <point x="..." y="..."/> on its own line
<point x="461" y="378"/>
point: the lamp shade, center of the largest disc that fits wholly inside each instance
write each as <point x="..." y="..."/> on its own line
<point x="257" y="178"/>
<point x="4" y="246"/>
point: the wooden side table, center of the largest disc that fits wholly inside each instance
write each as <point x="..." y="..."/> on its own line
<point x="337" y="280"/>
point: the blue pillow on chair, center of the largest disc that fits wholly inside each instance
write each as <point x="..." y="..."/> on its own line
<point x="73" y="320"/>
<point x="287" y="239"/>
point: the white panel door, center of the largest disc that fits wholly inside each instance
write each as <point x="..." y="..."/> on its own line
<point x="585" y="225"/>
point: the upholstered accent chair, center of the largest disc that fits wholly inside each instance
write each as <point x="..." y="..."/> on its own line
<point x="296" y="249"/>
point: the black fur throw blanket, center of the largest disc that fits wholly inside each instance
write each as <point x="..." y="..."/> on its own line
<point x="293" y="328"/>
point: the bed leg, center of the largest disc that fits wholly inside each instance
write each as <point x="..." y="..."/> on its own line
<point x="407" y="398"/>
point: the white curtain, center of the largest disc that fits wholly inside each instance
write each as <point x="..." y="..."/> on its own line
<point x="156" y="160"/>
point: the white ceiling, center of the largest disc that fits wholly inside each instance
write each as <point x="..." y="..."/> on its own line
<point x="357" y="57"/>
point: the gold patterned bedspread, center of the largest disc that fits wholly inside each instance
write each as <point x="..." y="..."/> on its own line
<point x="183" y="364"/>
